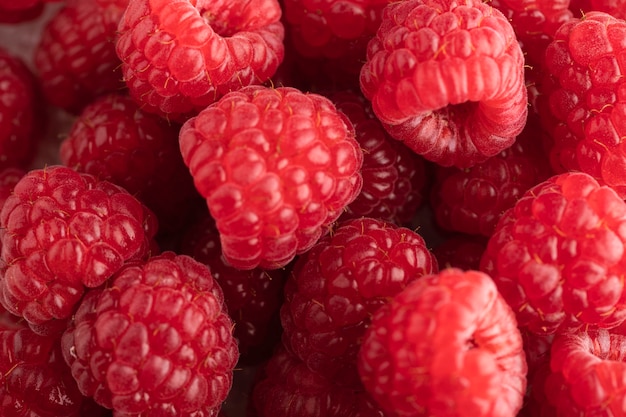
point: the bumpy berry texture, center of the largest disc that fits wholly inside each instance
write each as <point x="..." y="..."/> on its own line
<point x="61" y="232"/>
<point x="253" y="298"/>
<point x="179" y="56"/>
<point x="460" y="251"/>
<point x="276" y="166"/>
<point x="614" y="8"/>
<point x="114" y="140"/>
<point x="446" y="345"/>
<point x="584" y="94"/>
<point x="558" y="255"/>
<point x="75" y="58"/>
<point x="472" y="200"/>
<point x="394" y="177"/>
<point x="447" y="79"/>
<point x="21" y="116"/>
<point x="336" y="287"/>
<point x="156" y="342"/>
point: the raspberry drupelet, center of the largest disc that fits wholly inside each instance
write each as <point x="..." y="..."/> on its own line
<point x="276" y="166"/>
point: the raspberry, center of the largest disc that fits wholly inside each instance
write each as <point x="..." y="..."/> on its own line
<point x="276" y="167"/>
<point x="62" y="231"/>
<point x="558" y="255"/>
<point x="336" y="287"/>
<point x="179" y="56"/>
<point x="116" y="141"/>
<point x="460" y="251"/>
<point x="587" y="374"/>
<point x="75" y="58"/>
<point x="447" y="79"/>
<point x="253" y="298"/>
<point x="156" y="342"/>
<point x="473" y="199"/>
<point x="394" y="178"/>
<point x="447" y="344"/>
<point x="583" y="91"/>
<point x="14" y="12"/>
<point x="21" y="113"/>
<point x="614" y="8"/>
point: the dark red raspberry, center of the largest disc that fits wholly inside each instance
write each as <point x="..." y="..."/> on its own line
<point x="116" y="141"/>
<point x="612" y="7"/>
<point x="8" y="178"/>
<point x="253" y="298"/>
<point x="75" y="58"/>
<point x="472" y="200"/>
<point x="179" y="56"/>
<point x="537" y="349"/>
<point x="584" y="98"/>
<point x="276" y="166"/>
<point x="446" y="345"/>
<point x="394" y="177"/>
<point x="336" y="287"/>
<point x="156" y="342"/>
<point x="21" y="115"/>
<point x="62" y="231"/>
<point x="34" y="379"/>
<point x="558" y="255"/>
<point x="460" y="251"/>
<point x="447" y="79"/>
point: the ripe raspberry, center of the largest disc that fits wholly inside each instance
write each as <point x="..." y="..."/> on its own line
<point x="76" y="58"/>
<point x="336" y="287"/>
<point x="179" y="56"/>
<point x="587" y="374"/>
<point x="583" y="91"/>
<point x="460" y="251"/>
<point x="14" y="12"/>
<point x="253" y="298"/>
<point x="447" y="79"/>
<point x="156" y="342"/>
<point x="446" y="345"/>
<point x="537" y="349"/>
<point x="34" y="379"/>
<point x="21" y="114"/>
<point x="62" y="231"/>
<point x="394" y="177"/>
<point x="614" y="8"/>
<point x="116" y="141"/>
<point x="558" y="255"/>
<point x="473" y="199"/>
<point x="276" y="167"/>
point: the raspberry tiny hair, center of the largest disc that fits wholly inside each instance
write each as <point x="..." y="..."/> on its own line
<point x="277" y="167"/>
<point x="179" y="56"/>
<point x="447" y="79"/>
<point x="63" y="232"/>
<point x="558" y="255"/>
<point x="161" y="339"/>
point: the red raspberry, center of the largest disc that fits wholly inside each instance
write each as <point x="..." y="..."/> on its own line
<point x="460" y="251"/>
<point x="156" y="342"/>
<point x="558" y="255"/>
<point x="584" y="94"/>
<point x="34" y="379"/>
<point x="612" y="7"/>
<point x="180" y="55"/>
<point x="276" y="167"/>
<point x="62" y="231"/>
<point x="587" y="374"/>
<point x="76" y="58"/>
<point x="21" y="115"/>
<point x="446" y="345"/>
<point x="537" y="349"/>
<point x="116" y="141"/>
<point x="253" y="298"/>
<point x="336" y="287"/>
<point x="394" y="177"/>
<point x="447" y="79"/>
<point x="472" y="200"/>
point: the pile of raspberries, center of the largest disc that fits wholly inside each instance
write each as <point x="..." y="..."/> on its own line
<point x="312" y="208"/>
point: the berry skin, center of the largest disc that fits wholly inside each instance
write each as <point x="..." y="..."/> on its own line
<point x="114" y="140"/>
<point x="558" y="255"/>
<point x="62" y="231"/>
<point x="156" y="342"/>
<point x="179" y="56"/>
<point x="584" y="97"/>
<point x="336" y="287"/>
<point x="276" y="166"/>
<point x="75" y="58"/>
<point x="448" y="345"/>
<point x="447" y="79"/>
